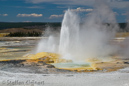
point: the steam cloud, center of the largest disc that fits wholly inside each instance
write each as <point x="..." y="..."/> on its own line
<point x="91" y="39"/>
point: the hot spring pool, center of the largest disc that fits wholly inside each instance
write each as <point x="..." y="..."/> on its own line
<point x="71" y="65"/>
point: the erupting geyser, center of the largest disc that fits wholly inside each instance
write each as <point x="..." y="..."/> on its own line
<point x="69" y="36"/>
<point x="80" y="41"/>
<point x="88" y="40"/>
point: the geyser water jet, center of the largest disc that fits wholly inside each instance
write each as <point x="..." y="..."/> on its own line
<point x="69" y="35"/>
<point x="90" y="39"/>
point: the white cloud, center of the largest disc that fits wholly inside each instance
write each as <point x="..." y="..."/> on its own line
<point x="59" y="1"/>
<point x="89" y="14"/>
<point x="27" y="21"/>
<point x="55" y="16"/>
<point x="30" y="15"/>
<point x="112" y="3"/>
<point x="40" y="1"/>
<point x="31" y="7"/>
<point x="34" y="7"/>
<point x="81" y="10"/>
<point x="3" y="14"/>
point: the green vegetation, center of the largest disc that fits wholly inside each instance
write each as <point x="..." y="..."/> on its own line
<point x="22" y="34"/>
<point x="42" y="26"/>
<point x="27" y="25"/>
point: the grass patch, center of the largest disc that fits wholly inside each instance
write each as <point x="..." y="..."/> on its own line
<point x="122" y="34"/>
<point x="3" y="34"/>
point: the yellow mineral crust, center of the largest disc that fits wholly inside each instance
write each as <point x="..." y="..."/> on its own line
<point x="51" y="58"/>
<point x="56" y="58"/>
<point x="2" y="50"/>
<point x="81" y="69"/>
<point x="46" y="57"/>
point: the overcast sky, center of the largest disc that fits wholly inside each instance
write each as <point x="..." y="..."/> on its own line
<point x="53" y="10"/>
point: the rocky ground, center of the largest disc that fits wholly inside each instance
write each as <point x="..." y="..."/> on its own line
<point x="40" y="68"/>
<point x="16" y="49"/>
<point x="12" y="50"/>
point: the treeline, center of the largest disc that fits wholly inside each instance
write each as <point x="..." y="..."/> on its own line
<point x="23" y="34"/>
<point x="28" y="25"/>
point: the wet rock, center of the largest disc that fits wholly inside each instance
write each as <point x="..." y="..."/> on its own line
<point x="42" y="62"/>
<point x="19" y="65"/>
<point x="50" y="66"/>
<point x="12" y="61"/>
<point x="118" y="63"/>
<point x="62" y="70"/>
<point x="26" y="64"/>
<point x="69" y="75"/>
<point x="33" y="64"/>
<point x="104" y="70"/>
<point x="126" y="62"/>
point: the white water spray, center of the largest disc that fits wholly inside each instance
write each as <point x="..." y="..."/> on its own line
<point x="69" y="36"/>
<point x="91" y="39"/>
